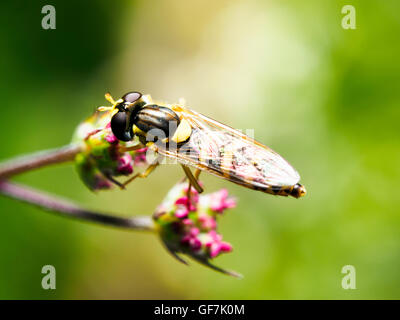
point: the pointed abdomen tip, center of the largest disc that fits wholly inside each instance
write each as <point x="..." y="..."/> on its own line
<point x="298" y="191"/>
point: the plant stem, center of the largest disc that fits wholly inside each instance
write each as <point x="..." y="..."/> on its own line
<point x="36" y="160"/>
<point x="55" y="204"/>
<point x="69" y="209"/>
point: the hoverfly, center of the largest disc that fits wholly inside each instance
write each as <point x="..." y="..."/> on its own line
<point x="203" y="143"/>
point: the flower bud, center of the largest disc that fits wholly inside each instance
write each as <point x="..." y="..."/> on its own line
<point x="187" y="224"/>
<point x="103" y="157"/>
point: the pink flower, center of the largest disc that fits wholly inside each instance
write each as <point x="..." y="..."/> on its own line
<point x="191" y="239"/>
<point x="140" y="156"/>
<point x="207" y="222"/>
<point x="125" y="164"/>
<point x="188" y="203"/>
<point x="215" y="237"/>
<point x="194" y="232"/>
<point x="111" y="139"/>
<point x="140" y="159"/>
<point x="187" y="222"/>
<point x="216" y="246"/>
<point x="220" y="201"/>
<point x="181" y="212"/>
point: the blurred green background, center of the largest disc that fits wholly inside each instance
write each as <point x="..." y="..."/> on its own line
<point x="325" y="98"/>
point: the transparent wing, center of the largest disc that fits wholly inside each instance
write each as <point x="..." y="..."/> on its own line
<point x="228" y="153"/>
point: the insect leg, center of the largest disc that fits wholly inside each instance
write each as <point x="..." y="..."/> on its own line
<point x="132" y="148"/>
<point x="105" y="174"/>
<point x="192" y="179"/>
<point x="144" y="174"/>
<point x="197" y="174"/>
<point x="111" y="179"/>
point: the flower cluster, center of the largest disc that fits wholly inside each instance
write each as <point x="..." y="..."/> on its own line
<point x="103" y="158"/>
<point x="187" y="222"/>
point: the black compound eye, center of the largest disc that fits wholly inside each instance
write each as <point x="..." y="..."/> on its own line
<point x="118" y="127"/>
<point x="131" y="97"/>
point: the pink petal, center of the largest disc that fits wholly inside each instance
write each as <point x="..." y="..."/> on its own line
<point x="225" y="247"/>
<point x="182" y="200"/>
<point x="207" y="222"/>
<point x="125" y="164"/>
<point x="185" y="201"/>
<point x="139" y="159"/>
<point x="215" y="236"/>
<point x="195" y="243"/>
<point x="223" y="193"/>
<point x="187" y="222"/>
<point x="111" y="139"/>
<point x="215" y="250"/>
<point x="230" y="203"/>
<point x="194" y="232"/>
<point x="181" y="212"/>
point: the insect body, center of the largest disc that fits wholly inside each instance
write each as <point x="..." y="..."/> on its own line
<point x="198" y="141"/>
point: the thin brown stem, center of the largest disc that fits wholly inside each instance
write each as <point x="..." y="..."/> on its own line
<point x="66" y="208"/>
<point x="36" y="160"/>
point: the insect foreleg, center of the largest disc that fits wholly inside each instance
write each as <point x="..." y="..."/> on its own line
<point x="192" y="179"/>
<point x="144" y="174"/>
<point x="132" y="148"/>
